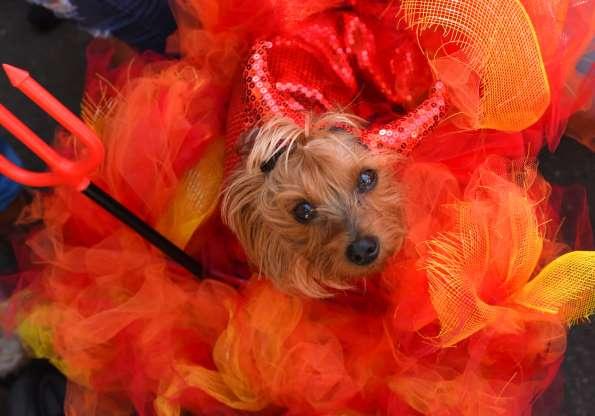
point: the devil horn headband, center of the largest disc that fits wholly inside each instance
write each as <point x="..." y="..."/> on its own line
<point x="268" y="98"/>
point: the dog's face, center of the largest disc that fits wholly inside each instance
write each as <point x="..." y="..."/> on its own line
<point x="318" y="214"/>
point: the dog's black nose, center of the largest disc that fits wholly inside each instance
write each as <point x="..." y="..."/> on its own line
<point x="363" y="251"/>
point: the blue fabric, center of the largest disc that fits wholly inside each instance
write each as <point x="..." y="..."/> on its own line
<point x="8" y="189"/>
<point x="586" y="62"/>
<point x="144" y="24"/>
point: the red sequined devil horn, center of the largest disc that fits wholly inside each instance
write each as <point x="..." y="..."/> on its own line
<point x="404" y="133"/>
<point x="264" y="101"/>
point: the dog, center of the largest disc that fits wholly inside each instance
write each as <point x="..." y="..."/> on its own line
<point x="325" y="211"/>
<point x="313" y="193"/>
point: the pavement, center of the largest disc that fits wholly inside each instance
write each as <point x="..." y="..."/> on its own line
<point x="56" y="59"/>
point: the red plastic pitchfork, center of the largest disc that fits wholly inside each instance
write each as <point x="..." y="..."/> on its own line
<point x="75" y="173"/>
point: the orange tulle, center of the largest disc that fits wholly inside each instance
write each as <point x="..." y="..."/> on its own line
<point x="469" y="318"/>
<point x="517" y="77"/>
<point x="466" y="319"/>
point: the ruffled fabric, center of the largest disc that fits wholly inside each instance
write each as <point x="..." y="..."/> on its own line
<point x="469" y="318"/>
<point x="518" y="77"/>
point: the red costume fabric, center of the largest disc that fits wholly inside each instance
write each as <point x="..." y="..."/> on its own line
<point x="335" y="63"/>
<point x="469" y="318"/>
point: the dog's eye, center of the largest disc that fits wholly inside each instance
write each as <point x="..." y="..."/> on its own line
<point x="304" y="212"/>
<point x="366" y="180"/>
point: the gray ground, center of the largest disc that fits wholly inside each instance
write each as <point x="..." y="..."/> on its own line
<point x="57" y="61"/>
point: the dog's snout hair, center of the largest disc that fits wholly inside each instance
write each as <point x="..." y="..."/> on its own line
<point x="296" y="216"/>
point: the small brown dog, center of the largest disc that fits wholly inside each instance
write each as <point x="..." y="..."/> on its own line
<point x="319" y="213"/>
<point x="317" y="202"/>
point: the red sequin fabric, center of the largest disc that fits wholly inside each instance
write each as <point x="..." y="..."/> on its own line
<point x="339" y="61"/>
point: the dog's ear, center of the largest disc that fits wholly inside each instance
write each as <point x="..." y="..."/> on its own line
<point x="269" y="165"/>
<point x="246" y="143"/>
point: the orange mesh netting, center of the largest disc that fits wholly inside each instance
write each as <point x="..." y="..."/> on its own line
<point x="489" y="57"/>
<point x="131" y="330"/>
<point x="469" y="318"/>
<point x="572" y="298"/>
<point x="492" y="254"/>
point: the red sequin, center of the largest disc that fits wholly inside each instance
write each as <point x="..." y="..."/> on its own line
<point x="338" y="62"/>
<point x="404" y="133"/>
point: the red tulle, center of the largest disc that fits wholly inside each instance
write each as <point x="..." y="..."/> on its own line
<point x="134" y="332"/>
<point x="124" y="325"/>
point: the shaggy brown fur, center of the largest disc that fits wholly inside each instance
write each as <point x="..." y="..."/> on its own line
<point x="320" y="164"/>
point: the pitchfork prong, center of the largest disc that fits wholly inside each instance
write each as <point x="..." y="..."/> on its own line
<point x="75" y="172"/>
<point x="26" y="177"/>
<point x="26" y="136"/>
<point x="62" y="170"/>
